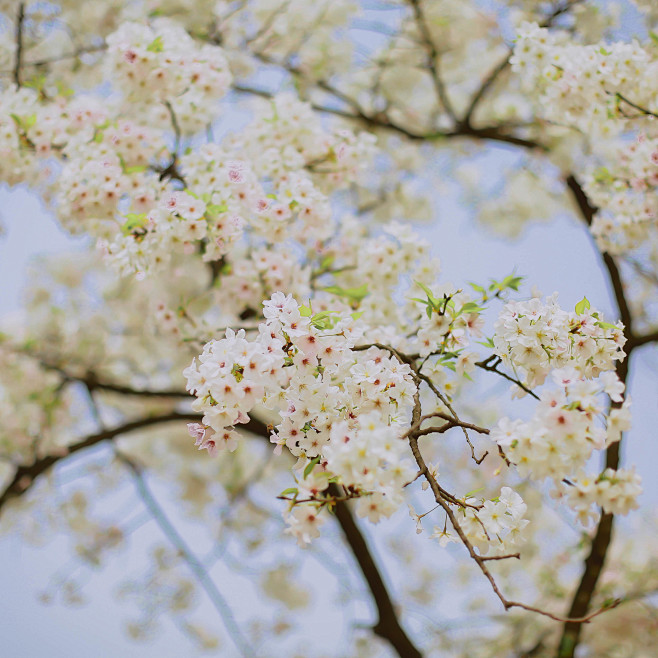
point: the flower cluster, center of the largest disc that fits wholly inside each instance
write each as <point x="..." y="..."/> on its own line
<point x="498" y="525"/>
<point x="162" y="63"/>
<point x="287" y="136"/>
<point x="581" y="84"/>
<point x="537" y="336"/>
<point x="231" y="377"/>
<point x="346" y="408"/>
<point x="615" y="491"/>
<point x="565" y="430"/>
<point x="239" y="187"/>
<point x="625" y="193"/>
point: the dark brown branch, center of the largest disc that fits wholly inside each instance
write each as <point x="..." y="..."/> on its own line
<point x="602" y="539"/>
<point x="484" y="87"/>
<point x="502" y="557"/>
<point x="19" y="44"/>
<point x="639" y="108"/>
<point x="583" y="595"/>
<point x="493" y="367"/>
<point x="651" y="337"/>
<point x="388" y="626"/>
<point x="382" y="122"/>
<point x="94" y="383"/>
<point x="587" y="211"/>
<point x="481" y="560"/>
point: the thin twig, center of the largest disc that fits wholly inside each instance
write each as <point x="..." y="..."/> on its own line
<point x="204" y="579"/>
<point x="493" y="367"/>
<point x="433" y="58"/>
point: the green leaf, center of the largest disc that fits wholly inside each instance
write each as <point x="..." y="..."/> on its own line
<point x="324" y="320"/>
<point x="305" y="311"/>
<point x="427" y="291"/>
<point x="290" y="490"/>
<point x="353" y="294"/>
<point x="135" y="170"/>
<point x="487" y="343"/>
<point x="471" y="493"/>
<point x="238" y="372"/>
<point x="432" y="302"/>
<point x="582" y="305"/>
<point x="654" y="37"/>
<point x="133" y="221"/>
<point x="215" y="209"/>
<point x="326" y="262"/>
<point x="603" y="175"/>
<point x="155" y="46"/>
<point x="356" y="315"/>
<point x="310" y="466"/>
<point x="512" y="282"/>
<point x="37" y="81"/>
<point x="471" y="307"/>
<point x="606" y="325"/>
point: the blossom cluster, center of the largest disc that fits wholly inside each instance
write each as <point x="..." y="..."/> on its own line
<point x="615" y="491"/>
<point x="603" y="90"/>
<point x="564" y="431"/>
<point x="239" y="186"/>
<point x="345" y="408"/>
<point x="161" y="63"/>
<point x="536" y="336"/>
<point x="498" y="525"/>
<point x="625" y="193"/>
<point x="581" y="84"/>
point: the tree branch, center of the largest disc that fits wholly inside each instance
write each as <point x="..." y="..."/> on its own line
<point x="433" y="58"/>
<point x="651" y="337"/>
<point x="602" y="539"/>
<point x="19" y="44"/>
<point x="388" y="625"/>
<point x="25" y="476"/>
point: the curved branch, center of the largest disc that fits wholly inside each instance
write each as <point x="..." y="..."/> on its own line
<point x="651" y="337"/>
<point x="388" y="626"/>
<point x="25" y="476"/>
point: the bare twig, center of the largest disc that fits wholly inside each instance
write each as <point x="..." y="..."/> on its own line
<point x="481" y="560"/>
<point x="493" y="367"/>
<point x="433" y="57"/>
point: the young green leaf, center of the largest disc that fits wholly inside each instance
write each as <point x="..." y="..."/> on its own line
<point x="156" y="45"/>
<point x="310" y="466"/>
